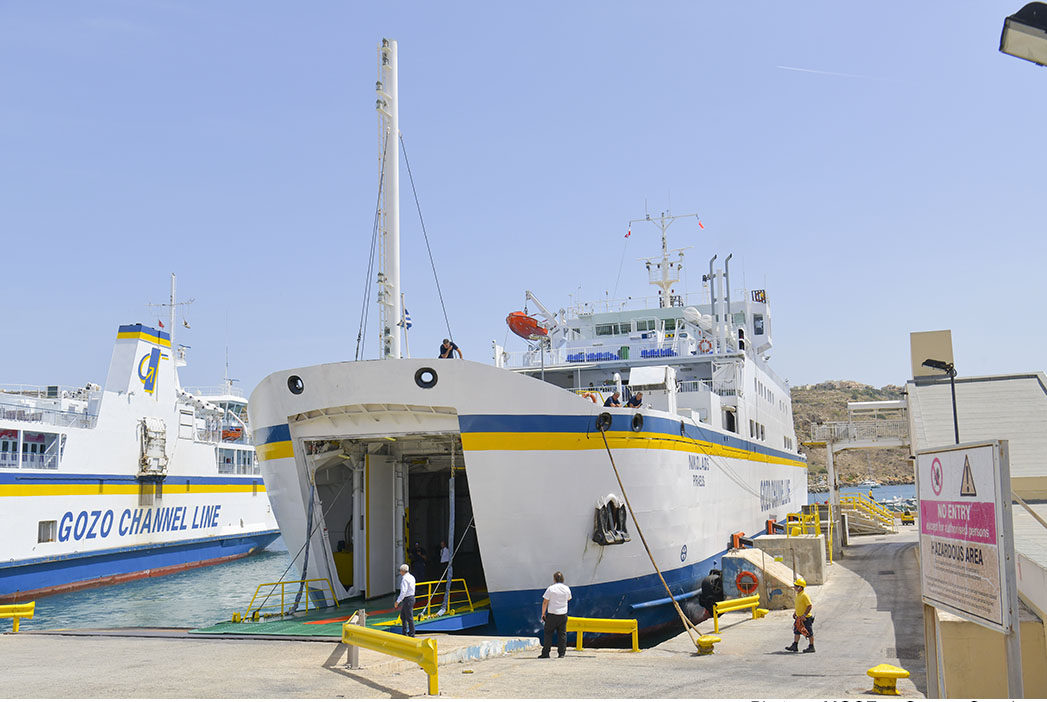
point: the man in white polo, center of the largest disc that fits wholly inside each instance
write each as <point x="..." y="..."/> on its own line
<point x="406" y="601"/>
<point x="554" y="615"/>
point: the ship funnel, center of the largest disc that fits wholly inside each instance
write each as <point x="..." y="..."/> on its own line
<point x="142" y="365"/>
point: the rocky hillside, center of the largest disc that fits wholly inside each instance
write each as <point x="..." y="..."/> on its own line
<point x="828" y="402"/>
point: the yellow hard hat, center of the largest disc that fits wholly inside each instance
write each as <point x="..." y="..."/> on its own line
<point x="800" y="582"/>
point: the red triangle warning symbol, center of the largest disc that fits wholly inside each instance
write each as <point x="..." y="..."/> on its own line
<point x="967" y="484"/>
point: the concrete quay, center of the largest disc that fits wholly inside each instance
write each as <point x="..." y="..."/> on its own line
<point x="867" y="613"/>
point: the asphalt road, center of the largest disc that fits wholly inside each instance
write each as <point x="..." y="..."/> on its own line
<point x="867" y="613"/>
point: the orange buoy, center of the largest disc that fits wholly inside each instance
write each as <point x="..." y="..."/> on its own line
<point x="525" y="326"/>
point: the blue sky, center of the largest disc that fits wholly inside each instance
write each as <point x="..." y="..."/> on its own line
<point x="877" y="168"/>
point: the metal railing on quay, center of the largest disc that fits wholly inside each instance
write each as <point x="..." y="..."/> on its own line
<point x="865" y="430"/>
<point x="869" y="507"/>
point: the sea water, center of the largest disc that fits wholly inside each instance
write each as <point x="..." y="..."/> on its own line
<point x="189" y="599"/>
<point x="880" y="492"/>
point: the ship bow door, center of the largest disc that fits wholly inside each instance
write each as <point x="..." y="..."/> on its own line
<point x="379" y="490"/>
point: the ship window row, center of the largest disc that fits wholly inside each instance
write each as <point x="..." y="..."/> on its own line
<point x="763" y="391"/>
<point x="639" y="325"/>
<point x="30" y="449"/>
<point x="757" y="430"/>
<point x="237" y="461"/>
<point x="788" y="443"/>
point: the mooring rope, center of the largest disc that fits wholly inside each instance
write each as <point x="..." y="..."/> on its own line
<point x="688" y="625"/>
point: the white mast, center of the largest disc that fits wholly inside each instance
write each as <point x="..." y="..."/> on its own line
<point x="389" y="276"/>
<point x="662" y="272"/>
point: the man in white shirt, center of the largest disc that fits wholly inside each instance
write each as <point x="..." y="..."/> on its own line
<point x="445" y="553"/>
<point x="554" y="615"/>
<point x="406" y="601"/>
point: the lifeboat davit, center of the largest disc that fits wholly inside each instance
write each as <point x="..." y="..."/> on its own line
<point x="525" y="326"/>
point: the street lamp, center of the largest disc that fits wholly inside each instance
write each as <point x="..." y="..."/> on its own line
<point x="1025" y="34"/>
<point x="951" y="370"/>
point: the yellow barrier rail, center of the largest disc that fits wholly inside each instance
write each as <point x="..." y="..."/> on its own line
<point x="735" y="605"/>
<point x="16" y="612"/>
<point x="586" y="625"/>
<point x="869" y="507"/>
<point x="460" y="601"/>
<point x="265" y="609"/>
<point x="420" y="651"/>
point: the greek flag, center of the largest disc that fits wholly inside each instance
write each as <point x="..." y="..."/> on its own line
<point x="406" y="323"/>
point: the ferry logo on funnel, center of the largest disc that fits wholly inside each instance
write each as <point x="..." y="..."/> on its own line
<point x="147" y="373"/>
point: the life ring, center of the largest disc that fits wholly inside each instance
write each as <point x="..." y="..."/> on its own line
<point x="589" y="396"/>
<point x="705" y="346"/>
<point x="747" y="582"/>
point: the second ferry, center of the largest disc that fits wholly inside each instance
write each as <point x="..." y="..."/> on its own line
<point x="136" y="478"/>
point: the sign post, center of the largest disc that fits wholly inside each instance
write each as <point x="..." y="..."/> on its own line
<point x="967" y="542"/>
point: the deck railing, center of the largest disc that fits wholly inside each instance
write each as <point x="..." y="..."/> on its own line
<point x="56" y="417"/>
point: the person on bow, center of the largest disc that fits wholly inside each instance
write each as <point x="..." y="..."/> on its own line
<point x="635" y="401"/>
<point x="447" y="349"/>
<point x="614" y="400"/>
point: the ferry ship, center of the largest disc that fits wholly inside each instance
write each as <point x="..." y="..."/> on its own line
<point x="136" y="478"/>
<point x="511" y="462"/>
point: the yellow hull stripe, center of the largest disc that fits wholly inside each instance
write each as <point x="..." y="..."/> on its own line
<point x="277" y="449"/>
<point x="145" y="337"/>
<point x="168" y="489"/>
<point x="561" y="441"/>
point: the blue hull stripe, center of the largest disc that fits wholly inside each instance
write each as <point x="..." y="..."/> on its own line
<point x="43" y="573"/>
<point x="586" y="424"/>
<point x="269" y="435"/>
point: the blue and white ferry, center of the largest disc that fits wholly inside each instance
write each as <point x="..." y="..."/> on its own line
<point x="507" y="461"/>
<point x="136" y="478"/>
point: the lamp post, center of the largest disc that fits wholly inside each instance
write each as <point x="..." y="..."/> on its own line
<point x="1025" y="34"/>
<point x="951" y="370"/>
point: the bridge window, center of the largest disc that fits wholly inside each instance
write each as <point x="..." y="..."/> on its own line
<point x="757" y="324"/>
<point x="643" y="325"/>
<point x="612" y="329"/>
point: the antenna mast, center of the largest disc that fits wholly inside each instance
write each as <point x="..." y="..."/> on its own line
<point x="171" y="309"/>
<point x="662" y="272"/>
<point x="389" y="275"/>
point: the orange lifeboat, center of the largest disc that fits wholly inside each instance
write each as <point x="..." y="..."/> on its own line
<point x="525" y="326"/>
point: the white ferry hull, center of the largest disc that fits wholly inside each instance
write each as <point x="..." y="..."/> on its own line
<point x="136" y="479"/>
<point x="536" y="466"/>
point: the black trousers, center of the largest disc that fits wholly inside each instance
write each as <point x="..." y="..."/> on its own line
<point x="555" y="624"/>
<point x="407" y="616"/>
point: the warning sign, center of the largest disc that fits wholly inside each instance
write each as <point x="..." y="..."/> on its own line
<point x="961" y="546"/>
<point x="967" y="488"/>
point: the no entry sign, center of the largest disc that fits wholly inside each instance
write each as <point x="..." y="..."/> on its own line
<point x="965" y="543"/>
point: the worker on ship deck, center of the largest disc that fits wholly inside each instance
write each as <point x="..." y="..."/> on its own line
<point x="614" y="400"/>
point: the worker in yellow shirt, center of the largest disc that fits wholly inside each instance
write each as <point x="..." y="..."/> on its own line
<point x="803" y="619"/>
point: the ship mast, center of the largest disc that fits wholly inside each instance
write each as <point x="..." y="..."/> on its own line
<point x="662" y="272"/>
<point x="389" y="275"/>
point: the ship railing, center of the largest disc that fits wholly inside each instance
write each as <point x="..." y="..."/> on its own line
<point x="621" y="350"/>
<point x="266" y="604"/>
<point x="216" y="391"/>
<point x="54" y="417"/>
<point x="45" y="392"/>
<point x="581" y="309"/>
<point x="866" y="430"/>
<point x="693" y="386"/>
<point x="433" y="593"/>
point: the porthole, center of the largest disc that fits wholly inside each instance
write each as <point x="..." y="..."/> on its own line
<point x="637" y="422"/>
<point x="603" y="421"/>
<point x="425" y="378"/>
<point x="295" y="385"/>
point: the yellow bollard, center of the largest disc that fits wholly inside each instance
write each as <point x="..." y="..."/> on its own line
<point x="760" y="613"/>
<point x="706" y="643"/>
<point x="885" y="678"/>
